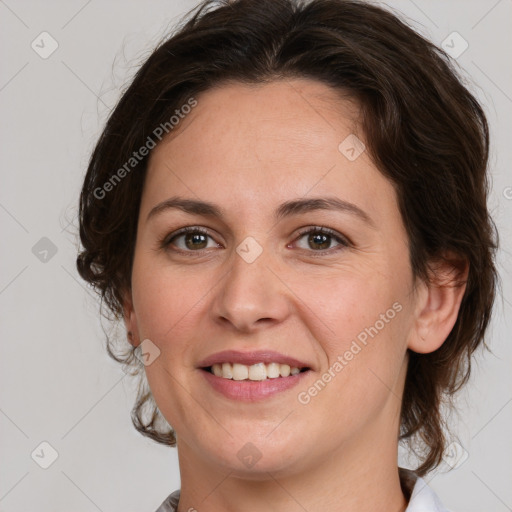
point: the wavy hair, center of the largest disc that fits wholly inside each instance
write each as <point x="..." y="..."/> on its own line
<point x="425" y="132"/>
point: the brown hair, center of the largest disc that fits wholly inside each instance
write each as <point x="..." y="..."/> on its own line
<point x="424" y="130"/>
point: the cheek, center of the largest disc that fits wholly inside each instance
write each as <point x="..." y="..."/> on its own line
<point x="359" y="323"/>
<point x="349" y="305"/>
<point x="361" y="378"/>
<point x="167" y="303"/>
<point x="164" y="298"/>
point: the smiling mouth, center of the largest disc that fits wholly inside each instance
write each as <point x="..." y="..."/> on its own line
<point x="256" y="372"/>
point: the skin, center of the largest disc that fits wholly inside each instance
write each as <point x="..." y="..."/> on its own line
<point x="248" y="149"/>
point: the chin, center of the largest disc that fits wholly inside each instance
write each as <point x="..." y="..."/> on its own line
<point x="253" y="460"/>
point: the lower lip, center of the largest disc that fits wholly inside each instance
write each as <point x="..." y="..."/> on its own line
<point x="252" y="391"/>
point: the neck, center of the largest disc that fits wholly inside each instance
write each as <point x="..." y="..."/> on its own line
<point x="360" y="476"/>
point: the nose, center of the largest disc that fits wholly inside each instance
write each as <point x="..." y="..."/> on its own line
<point x="252" y="295"/>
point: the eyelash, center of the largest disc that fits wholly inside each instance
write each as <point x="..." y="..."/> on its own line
<point x="343" y="241"/>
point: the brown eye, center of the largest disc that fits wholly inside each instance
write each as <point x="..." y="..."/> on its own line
<point x="195" y="240"/>
<point x="321" y="239"/>
<point x="190" y="239"/>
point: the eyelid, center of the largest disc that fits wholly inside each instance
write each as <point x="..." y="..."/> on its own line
<point x="342" y="240"/>
<point x="325" y="230"/>
<point x="167" y="239"/>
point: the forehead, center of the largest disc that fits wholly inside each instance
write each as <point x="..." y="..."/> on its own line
<point x="281" y="120"/>
<point x="300" y="108"/>
<point x="275" y="141"/>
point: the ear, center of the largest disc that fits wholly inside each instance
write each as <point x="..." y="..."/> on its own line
<point x="130" y="320"/>
<point x="438" y="303"/>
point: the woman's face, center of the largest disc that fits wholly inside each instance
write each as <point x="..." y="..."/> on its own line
<point x="260" y="277"/>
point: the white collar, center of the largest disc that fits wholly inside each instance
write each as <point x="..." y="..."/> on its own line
<point x="423" y="498"/>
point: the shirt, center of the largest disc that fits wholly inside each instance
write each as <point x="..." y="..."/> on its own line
<point x="422" y="497"/>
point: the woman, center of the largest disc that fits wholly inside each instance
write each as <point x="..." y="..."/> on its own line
<point x="287" y="208"/>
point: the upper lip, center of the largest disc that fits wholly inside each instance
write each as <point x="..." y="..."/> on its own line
<point x="250" y="358"/>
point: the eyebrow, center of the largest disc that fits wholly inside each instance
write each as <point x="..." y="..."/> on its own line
<point x="287" y="209"/>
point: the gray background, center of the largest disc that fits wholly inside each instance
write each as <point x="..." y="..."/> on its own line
<point x="57" y="383"/>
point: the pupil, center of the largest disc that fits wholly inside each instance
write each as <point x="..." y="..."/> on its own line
<point x="197" y="240"/>
<point x="319" y="236"/>
<point x="193" y="238"/>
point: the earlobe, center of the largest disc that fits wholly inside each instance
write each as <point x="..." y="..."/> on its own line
<point x="130" y="320"/>
<point x="438" y="304"/>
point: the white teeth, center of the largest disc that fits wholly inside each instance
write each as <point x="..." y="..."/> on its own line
<point x="217" y="370"/>
<point x="258" y="371"/>
<point x="273" y="370"/>
<point x="240" y="371"/>
<point x="226" y="371"/>
<point x="285" y="370"/>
